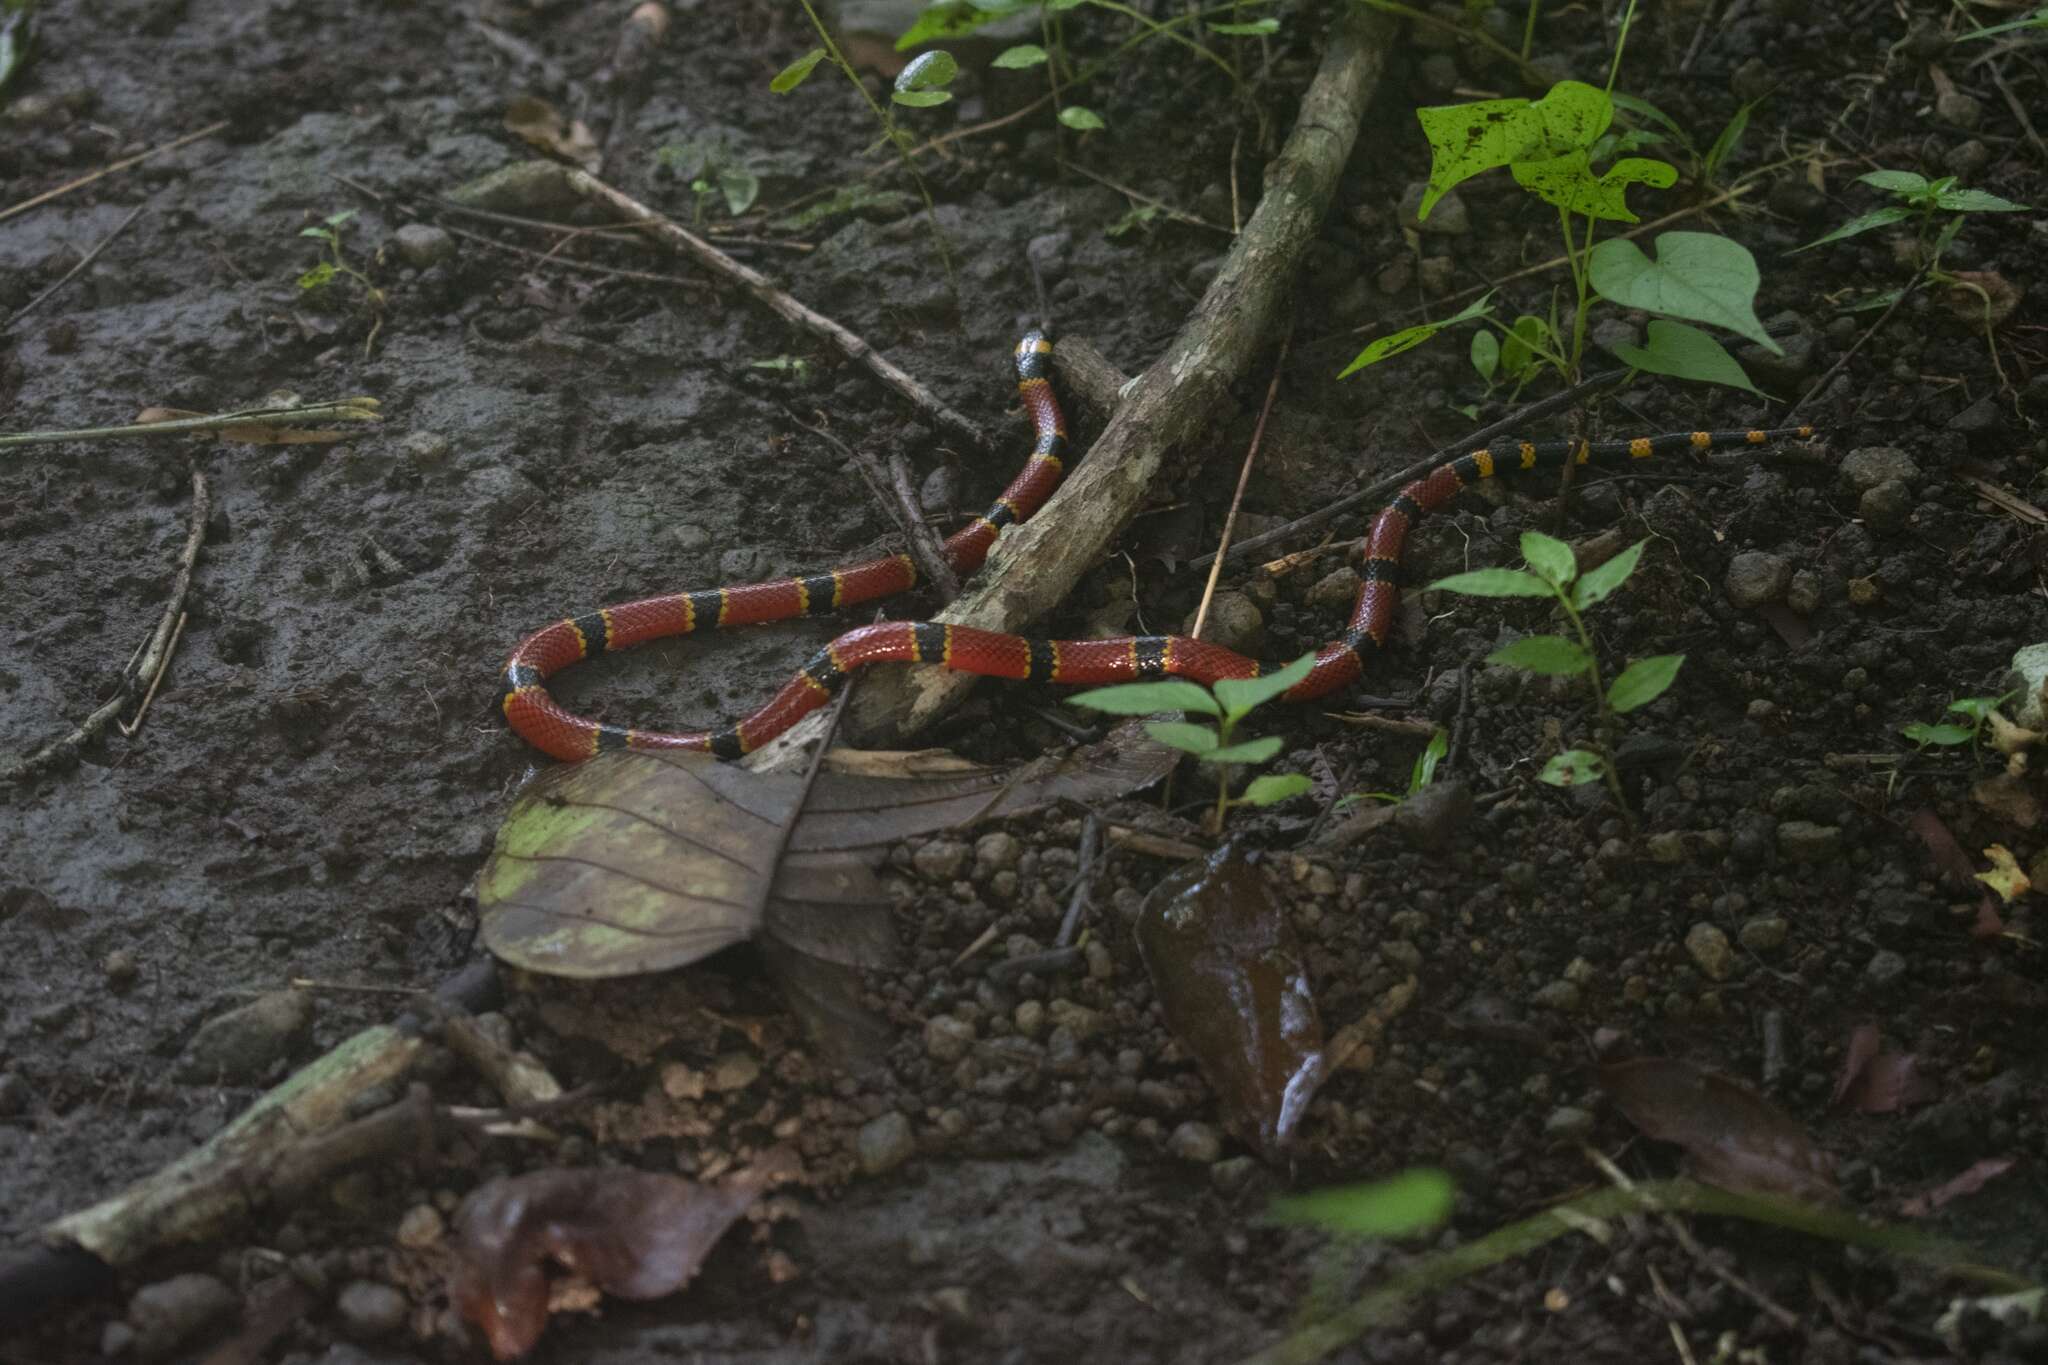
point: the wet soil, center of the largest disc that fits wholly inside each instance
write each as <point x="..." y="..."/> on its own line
<point x="324" y="767"/>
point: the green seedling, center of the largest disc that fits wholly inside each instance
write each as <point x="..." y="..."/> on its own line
<point x="1704" y="168"/>
<point x="1419" y="776"/>
<point x="1220" y="746"/>
<point x="334" y="265"/>
<point x="1977" y="709"/>
<point x="2037" y="19"/>
<point x="712" y="172"/>
<point x="1553" y="573"/>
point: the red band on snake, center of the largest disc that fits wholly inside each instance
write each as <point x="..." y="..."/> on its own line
<point x="542" y="722"/>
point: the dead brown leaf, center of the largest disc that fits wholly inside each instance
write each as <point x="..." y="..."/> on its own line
<point x="1874" y="1081"/>
<point x="1735" y="1139"/>
<point x="537" y="122"/>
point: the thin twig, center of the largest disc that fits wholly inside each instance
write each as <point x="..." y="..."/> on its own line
<point x="1084" y="880"/>
<point x="1178" y="215"/>
<point x="1244" y="478"/>
<point x="924" y="540"/>
<point x="149" y="663"/>
<point x="776" y="301"/>
<point x="83" y="262"/>
<point x="340" y="410"/>
<point x="901" y="506"/>
<point x="163" y="666"/>
<point x="1850" y="354"/>
<point x="47" y="195"/>
<point x="1380" y="488"/>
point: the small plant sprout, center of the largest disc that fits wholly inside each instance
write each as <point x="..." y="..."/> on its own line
<point x="1229" y="702"/>
<point x="1553" y="573"/>
<point x="334" y="265"/>
<point x="1977" y="709"/>
<point x="1419" y="776"/>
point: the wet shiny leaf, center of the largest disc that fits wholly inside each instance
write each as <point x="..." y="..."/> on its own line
<point x="1736" y="1139"/>
<point x="632" y="1234"/>
<point x="1231" y="981"/>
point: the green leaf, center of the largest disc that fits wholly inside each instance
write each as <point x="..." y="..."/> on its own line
<point x="2038" y="19"/>
<point x="1643" y="109"/>
<point x="1976" y="201"/>
<point x="1258" y="28"/>
<point x="1572" y="768"/>
<point x="1697" y="276"/>
<point x="1179" y="734"/>
<point x="1273" y="789"/>
<point x="1550" y="557"/>
<point x="952" y="18"/>
<point x="319" y="277"/>
<point x="1526" y="339"/>
<point x="1145" y="698"/>
<point x="1413" y="1201"/>
<point x="740" y="186"/>
<point x="321" y="233"/>
<point x="1567" y="180"/>
<point x="1019" y="57"/>
<point x="1408" y="338"/>
<point x="1493" y="583"/>
<point x="920" y="99"/>
<point x="1240" y="695"/>
<point x="1862" y="222"/>
<point x="1898" y="182"/>
<point x="1598" y="584"/>
<point x="1872" y="302"/>
<point x="1685" y="352"/>
<point x="1135" y="218"/>
<point x="1548" y="654"/>
<point x="928" y="71"/>
<point x="1979" y="707"/>
<point x="797" y="72"/>
<point x="1921" y="733"/>
<point x="1250" y="751"/>
<point x="1424" y="771"/>
<point x="1724" y="145"/>
<point x="1081" y="118"/>
<point x="1470" y="139"/>
<point x="1643" y="681"/>
<point x="1485" y="354"/>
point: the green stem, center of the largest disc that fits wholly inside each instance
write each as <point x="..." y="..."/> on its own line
<point x="1164" y="30"/>
<point x="1603" y="717"/>
<point x="1621" y="41"/>
<point x="1529" y="29"/>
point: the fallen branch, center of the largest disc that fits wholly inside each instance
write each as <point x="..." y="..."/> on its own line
<point x="1176" y="401"/>
<point x="146" y="668"/>
<point x="208" y="423"/>
<point x="775" y="300"/>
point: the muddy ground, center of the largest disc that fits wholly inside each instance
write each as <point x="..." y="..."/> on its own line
<point x="324" y="767"/>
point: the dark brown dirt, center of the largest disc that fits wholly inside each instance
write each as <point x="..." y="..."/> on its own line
<point x="324" y="768"/>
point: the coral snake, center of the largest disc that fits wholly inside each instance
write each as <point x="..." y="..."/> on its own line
<point x="542" y="722"/>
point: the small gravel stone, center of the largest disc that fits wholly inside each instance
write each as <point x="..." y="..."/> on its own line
<point x="1867" y="467"/>
<point x="735" y="1071"/>
<point x="119" y="968"/>
<point x="1763" y="933"/>
<point x="1197" y="1142"/>
<point x="422" y="1226"/>
<point x="1803" y="841"/>
<point x="946" y="1039"/>
<point x="1448" y="216"/>
<point x="1437" y="814"/>
<point x="1029" y="1018"/>
<point x="996" y="852"/>
<point x="1708" y="947"/>
<point x="425" y="449"/>
<point x="1804" y="594"/>
<point x="1886" y="507"/>
<point x="1081" y="1021"/>
<point x="241" y="1046"/>
<point x="169" y="1313"/>
<point x="1756" y="577"/>
<point x="689" y="537"/>
<point x="1334" y="592"/>
<point x="422" y="244"/>
<point x="1235" y="622"/>
<point x="1233" y="1175"/>
<point x="884" y="1143"/>
<point x="369" y="1310"/>
<point x="1665" y="846"/>
<point x="1885" y="967"/>
<point x="1568" y="1121"/>
<point x="941" y="860"/>
<point x="1562" y="996"/>
<point x="1101" y="965"/>
<point x="1956" y="108"/>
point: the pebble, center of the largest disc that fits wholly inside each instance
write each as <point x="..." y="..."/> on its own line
<point x="1757" y="577"/>
<point x="1803" y="841"/>
<point x="1885" y="967"/>
<point x="1763" y="933"/>
<point x="169" y="1313"/>
<point x="1665" y="846"/>
<point x="1562" y="996"/>
<point x="1197" y="1142"/>
<point x="689" y="537"/>
<point x="996" y="852"/>
<point x="421" y="1226"/>
<point x="1235" y="622"/>
<point x="119" y="968"/>
<point x="1708" y="947"/>
<point x="1334" y="592"/>
<point x="1448" y="216"/>
<point x="1079" y="1020"/>
<point x="2027" y="674"/>
<point x="1439" y="274"/>
<point x="1233" y="1175"/>
<point x="1961" y="110"/>
<point x="941" y="860"/>
<point x="946" y="1039"/>
<point x="369" y="1310"/>
<point x="1048" y="251"/>
<point x="1029" y="1018"/>
<point x="241" y="1046"/>
<point x="735" y="1071"/>
<point x="1868" y="466"/>
<point x="425" y="449"/>
<point x="421" y="245"/>
<point x="1804" y="594"/>
<point x="1568" y="1121"/>
<point x="1436" y="815"/>
<point x="1101" y="965"/>
<point x="1886" y="507"/>
<point x="884" y="1143"/>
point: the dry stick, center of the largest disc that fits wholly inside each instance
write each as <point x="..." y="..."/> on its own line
<point x="1084" y="881"/>
<point x="155" y="655"/>
<point x="1381" y="487"/>
<point x="1177" y="399"/>
<point x="128" y="728"/>
<point x="925" y="545"/>
<point x="84" y="261"/>
<point x="47" y="195"/>
<point x="340" y="410"/>
<point x="775" y="300"/>
<point x="1244" y="478"/>
<point x="922" y="536"/>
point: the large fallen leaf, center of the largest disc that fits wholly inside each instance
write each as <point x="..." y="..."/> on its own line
<point x="632" y="1234"/>
<point x="1231" y="982"/>
<point x="1735" y="1138"/>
